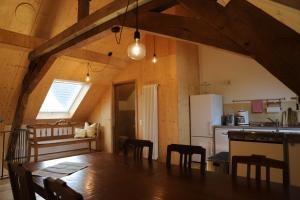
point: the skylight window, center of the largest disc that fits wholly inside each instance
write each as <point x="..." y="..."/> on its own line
<point x="63" y="99"/>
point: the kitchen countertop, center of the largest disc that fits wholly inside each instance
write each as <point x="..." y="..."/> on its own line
<point x="272" y="137"/>
<point x="283" y="129"/>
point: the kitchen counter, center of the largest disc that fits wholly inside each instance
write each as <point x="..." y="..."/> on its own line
<point x="263" y="128"/>
<point x="280" y="146"/>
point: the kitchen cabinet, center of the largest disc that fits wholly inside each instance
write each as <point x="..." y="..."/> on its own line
<point x="221" y="141"/>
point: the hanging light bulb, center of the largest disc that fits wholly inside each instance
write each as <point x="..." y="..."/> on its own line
<point x="87" y="78"/>
<point x="137" y="50"/>
<point x="154" y="59"/>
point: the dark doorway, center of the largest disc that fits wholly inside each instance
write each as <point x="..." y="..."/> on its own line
<point x="124" y="114"/>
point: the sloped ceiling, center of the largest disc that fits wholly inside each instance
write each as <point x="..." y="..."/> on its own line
<point x="46" y="18"/>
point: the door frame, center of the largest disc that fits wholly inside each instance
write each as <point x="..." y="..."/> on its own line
<point x="113" y="105"/>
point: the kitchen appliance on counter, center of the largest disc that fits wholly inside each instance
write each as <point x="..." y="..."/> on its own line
<point x="230" y="120"/>
<point x="242" y="118"/>
<point x="206" y="111"/>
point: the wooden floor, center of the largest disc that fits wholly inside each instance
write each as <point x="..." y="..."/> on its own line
<point x="5" y="189"/>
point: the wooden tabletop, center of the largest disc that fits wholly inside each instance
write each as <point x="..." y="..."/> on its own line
<point x="112" y="177"/>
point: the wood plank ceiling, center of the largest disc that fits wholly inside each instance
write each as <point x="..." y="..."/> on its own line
<point x="29" y="17"/>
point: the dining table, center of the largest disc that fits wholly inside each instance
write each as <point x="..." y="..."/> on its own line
<point x="114" y="177"/>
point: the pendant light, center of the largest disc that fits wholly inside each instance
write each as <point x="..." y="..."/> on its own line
<point x="154" y="59"/>
<point x="137" y="50"/>
<point x="87" y="78"/>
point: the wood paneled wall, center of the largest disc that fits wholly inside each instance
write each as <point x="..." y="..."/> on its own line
<point x="145" y="72"/>
<point x="188" y="84"/>
<point x="177" y="74"/>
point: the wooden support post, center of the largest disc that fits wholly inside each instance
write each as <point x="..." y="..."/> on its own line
<point x="83" y="9"/>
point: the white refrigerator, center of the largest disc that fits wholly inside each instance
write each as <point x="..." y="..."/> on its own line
<point x="206" y="111"/>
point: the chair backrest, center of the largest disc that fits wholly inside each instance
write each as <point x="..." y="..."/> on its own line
<point x="260" y="161"/>
<point x="21" y="182"/>
<point x="186" y="152"/>
<point x="138" y="146"/>
<point x="58" y="190"/>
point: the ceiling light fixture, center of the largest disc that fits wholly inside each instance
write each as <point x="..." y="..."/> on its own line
<point x="91" y="70"/>
<point x="137" y="50"/>
<point x="154" y="59"/>
<point x="87" y="78"/>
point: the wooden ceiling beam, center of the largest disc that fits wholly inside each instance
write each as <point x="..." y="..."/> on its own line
<point x="94" y="26"/>
<point x="19" y="40"/>
<point x="291" y="3"/>
<point x="271" y="43"/>
<point x="187" y="29"/>
<point x="88" y="29"/>
<point x="31" y="76"/>
<point x="83" y="9"/>
<point x="27" y="43"/>
<point x="96" y="57"/>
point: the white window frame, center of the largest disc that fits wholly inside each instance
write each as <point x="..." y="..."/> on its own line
<point x="66" y="115"/>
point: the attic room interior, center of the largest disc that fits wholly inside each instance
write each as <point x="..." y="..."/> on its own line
<point x="149" y="99"/>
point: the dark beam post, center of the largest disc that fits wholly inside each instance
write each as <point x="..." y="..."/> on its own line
<point x="83" y="9"/>
<point x="291" y="3"/>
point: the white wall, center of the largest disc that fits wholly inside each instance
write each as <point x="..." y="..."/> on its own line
<point x="248" y="79"/>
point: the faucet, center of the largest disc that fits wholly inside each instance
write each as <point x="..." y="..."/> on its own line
<point x="276" y="123"/>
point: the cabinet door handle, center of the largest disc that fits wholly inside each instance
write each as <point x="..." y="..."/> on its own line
<point x="224" y="133"/>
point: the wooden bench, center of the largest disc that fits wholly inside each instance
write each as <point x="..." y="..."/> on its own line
<point x="57" y="134"/>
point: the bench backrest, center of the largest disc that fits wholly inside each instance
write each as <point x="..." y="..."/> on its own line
<point x="56" y="131"/>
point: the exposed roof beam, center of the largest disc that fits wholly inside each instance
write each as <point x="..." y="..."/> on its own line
<point x="91" y="26"/>
<point x="27" y="43"/>
<point x="274" y="45"/>
<point x="24" y="93"/>
<point x="186" y="28"/>
<point x="96" y="57"/>
<point x="291" y="3"/>
<point x="19" y="40"/>
<point x="83" y="9"/>
<point x="88" y="29"/>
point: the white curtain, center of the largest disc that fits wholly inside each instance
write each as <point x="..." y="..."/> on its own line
<point x="150" y="116"/>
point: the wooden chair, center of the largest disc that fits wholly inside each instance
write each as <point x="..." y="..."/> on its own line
<point x="21" y="182"/>
<point x="260" y="161"/>
<point x="186" y="152"/>
<point x="58" y="190"/>
<point x="138" y="146"/>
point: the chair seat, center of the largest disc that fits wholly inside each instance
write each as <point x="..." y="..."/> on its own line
<point x="67" y="140"/>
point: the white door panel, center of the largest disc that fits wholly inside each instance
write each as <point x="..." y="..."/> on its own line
<point x="221" y="140"/>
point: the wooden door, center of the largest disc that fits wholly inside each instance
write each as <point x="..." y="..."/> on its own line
<point x="124" y="114"/>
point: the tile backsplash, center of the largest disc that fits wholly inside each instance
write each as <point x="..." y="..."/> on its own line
<point x="260" y="117"/>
